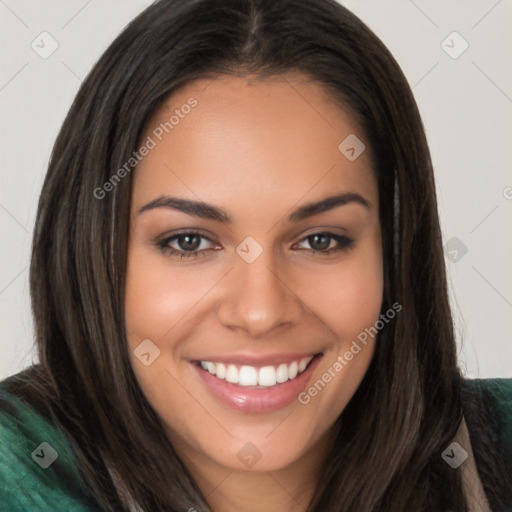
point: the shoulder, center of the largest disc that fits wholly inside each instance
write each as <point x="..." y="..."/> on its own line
<point x="38" y="470"/>
<point x="501" y="388"/>
<point x="495" y="397"/>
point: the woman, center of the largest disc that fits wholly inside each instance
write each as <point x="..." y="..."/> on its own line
<point x="238" y="284"/>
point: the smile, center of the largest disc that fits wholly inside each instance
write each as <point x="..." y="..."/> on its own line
<point x="264" y="377"/>
<point x="257" y="386"/>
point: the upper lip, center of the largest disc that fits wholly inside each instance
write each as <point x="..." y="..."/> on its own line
<point x="257" y="360"/>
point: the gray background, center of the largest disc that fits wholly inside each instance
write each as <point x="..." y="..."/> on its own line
<point x="465" y="100"/>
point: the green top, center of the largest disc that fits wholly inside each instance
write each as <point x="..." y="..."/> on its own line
<point x="38" y="469"/>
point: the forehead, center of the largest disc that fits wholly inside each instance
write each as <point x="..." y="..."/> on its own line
<point x="238" y="138"/>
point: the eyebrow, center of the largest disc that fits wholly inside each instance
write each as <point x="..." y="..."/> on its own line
<point x="210" y="212"/>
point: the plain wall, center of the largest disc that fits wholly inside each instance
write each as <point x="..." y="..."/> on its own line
<point x="466" y="103"/>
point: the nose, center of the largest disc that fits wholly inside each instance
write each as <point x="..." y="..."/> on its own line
<point x="257" y="300"/>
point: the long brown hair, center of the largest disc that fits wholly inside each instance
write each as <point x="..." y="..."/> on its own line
<point x="408" y="408"/>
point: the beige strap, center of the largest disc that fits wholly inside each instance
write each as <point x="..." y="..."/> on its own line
<point x="472" y="484"/>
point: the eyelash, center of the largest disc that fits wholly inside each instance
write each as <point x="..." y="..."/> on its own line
<point x="344" y="243"/>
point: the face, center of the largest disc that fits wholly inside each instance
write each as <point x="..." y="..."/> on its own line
<point x="254" y="264"/>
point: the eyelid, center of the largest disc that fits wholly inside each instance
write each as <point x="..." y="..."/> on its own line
<point x="331" y="230"/>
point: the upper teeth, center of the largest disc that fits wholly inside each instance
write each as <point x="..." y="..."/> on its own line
<point x="251" y="376"/>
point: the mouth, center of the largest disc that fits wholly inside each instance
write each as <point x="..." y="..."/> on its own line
<point x="262" y="386"/>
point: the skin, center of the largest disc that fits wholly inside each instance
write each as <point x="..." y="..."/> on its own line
<point x="258" y="150"/>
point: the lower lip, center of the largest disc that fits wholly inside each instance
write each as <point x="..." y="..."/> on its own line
<point x="251" y="400"/>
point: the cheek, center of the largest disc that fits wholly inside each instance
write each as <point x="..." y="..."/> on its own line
<point x="155" y="302"/>
<point x="348" y="302"/>
<point x="156" y="297"/>
<point x="351" y="308"/>
<point x="348" y="297"/>
<point x="357" y="303"/>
